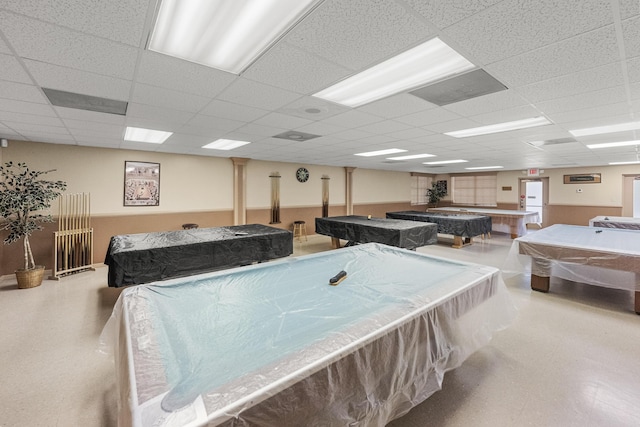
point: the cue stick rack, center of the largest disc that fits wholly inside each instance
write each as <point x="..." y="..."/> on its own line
<point x="73" y="242"/>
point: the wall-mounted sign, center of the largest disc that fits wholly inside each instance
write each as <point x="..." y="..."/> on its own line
<point x="587" y="178"/>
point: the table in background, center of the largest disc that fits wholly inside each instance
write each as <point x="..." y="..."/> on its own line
<point x="625" y="222"/>
<point x="275" y="344"/>
<point x="392" y="232"/>
<point x="584" y="254"/>
<point x="460" y="226"/>
<point x="504" y="220"/>
<point x="147" y="257"/>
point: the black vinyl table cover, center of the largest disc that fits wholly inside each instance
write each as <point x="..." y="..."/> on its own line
<point x="457" y="225"/>
<point x="147" y="257"/>
<point x="392" y="232"/>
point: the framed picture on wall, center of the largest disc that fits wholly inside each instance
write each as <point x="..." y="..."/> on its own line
<point x="141" y="184"/>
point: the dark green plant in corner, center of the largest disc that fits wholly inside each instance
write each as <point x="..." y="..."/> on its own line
<point x="22" y="194"/>
<point x="435" y="194"/>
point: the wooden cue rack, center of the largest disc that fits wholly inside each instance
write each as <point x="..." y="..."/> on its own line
<point x="73" y="242"/>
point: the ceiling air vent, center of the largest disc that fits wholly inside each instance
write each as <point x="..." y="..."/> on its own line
<point x="78" y="101"/>
<point x="459" y="88"/>
<point x="296" y="136"/>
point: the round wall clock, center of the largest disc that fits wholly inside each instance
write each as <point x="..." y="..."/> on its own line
<point x="302" y="174"/>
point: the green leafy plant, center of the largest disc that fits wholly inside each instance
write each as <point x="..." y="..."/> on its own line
<point x="23" y="193"/>
<point x="435" y="193"/>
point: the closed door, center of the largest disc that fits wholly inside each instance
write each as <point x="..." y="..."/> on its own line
<point x="534" y="201"/>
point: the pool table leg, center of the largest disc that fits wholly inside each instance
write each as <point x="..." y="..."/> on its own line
<point x="335" y="242"/>
<point x="541" y="284"/>
<point x="458" y="242"/>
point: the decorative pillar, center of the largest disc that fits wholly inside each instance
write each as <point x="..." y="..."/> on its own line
<point x="348" y="194"/>
<point x="239" y="190"/>
<point x="275" y="198"/>
<point x="325" y="195"/>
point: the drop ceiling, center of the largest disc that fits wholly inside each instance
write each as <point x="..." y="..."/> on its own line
<point x="576" y="62"/>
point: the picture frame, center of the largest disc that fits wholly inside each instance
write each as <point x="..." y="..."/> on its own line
<point x="141" y="183"/>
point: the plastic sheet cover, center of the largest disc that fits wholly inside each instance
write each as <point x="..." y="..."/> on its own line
<point x="626" y="222"/>
<point x="147" y="257"/>
<point x="503" y="220"/>
<point x="605" y="257"/>
<point x="393" y="232"/>
<point x="275" y="345"/>
<point x="454" y="224"/>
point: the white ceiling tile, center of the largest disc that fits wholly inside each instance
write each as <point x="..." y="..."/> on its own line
<point x="176" y="74"/>
<point x="282" y="121"/>
<point x="166" y="98"/>
<point x="629" y="8"/>
<point x="11" y="70"/>
<point x="444" y="13"/>
<point x="30" y="118"/>
<point x="4" y="48"/>
<point x="67" y="48"/>
<point x="78" y="81"/>
<point x="49" y="138"/>
<point x="352" y="119"/>
<point x="257" y="95"/>
<point x="594" y="113"/>
<point x="386" y="127"/>
<point x="284" y="64"/>
<point x="633" y="69"/>
<point x="606" y="76"/>
<point x="108" y="132"/>
<point x="631" y="35"/>
<point x="589" y="50"/>
<point x="167" y="115"/>
<point x="215" y="123"/>
<point x="320" y="128"/>
<point x="229" y="110"/>
<point x="424" y="118"/>
<point x="355" y="34"/>
<point x="312" y="108"/>
<point x="512" y="27"/>
<point x="100" y="142"/>
<point x="25" y="128"/>
<point x="22" y="92"/>
<point x="26" y="107"/>
<point x="125" y="25"/>
<point x="260" y="130"/>
<point x="577" y="102"/>
<point x="74" y="125"/>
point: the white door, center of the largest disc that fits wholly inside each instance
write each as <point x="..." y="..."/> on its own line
<point x="534" y="199"/>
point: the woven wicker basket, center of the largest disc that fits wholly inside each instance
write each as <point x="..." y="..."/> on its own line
<point x="30" y="278"/>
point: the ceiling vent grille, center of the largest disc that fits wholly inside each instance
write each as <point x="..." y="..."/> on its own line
<point x="78" y="101"/>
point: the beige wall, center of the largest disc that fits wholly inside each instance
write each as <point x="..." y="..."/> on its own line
<point x="187" y="183"/>
<point x="292" y="192"/>
<point x="375" y="186"/>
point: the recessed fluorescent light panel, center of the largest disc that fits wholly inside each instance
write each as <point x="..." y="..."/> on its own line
<point x="146" y="135"/>
<point x="500" y="127"/>
<point x="606" y="129"/>
<point x="635" y="162"/>
<point x="445" y="162"/>
<point x="484" y="167"/>
<point x="381" y="152"/>
<point x="414" y="156"/>
<point x="428" y="62"/>
<point x="224" y="34"/>
<point x="613" y="144"/>
<point x="225" y="144"/>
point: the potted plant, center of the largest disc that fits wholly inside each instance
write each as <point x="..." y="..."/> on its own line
<point x="23" y="193"/>
<point x="435" y="194"/>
